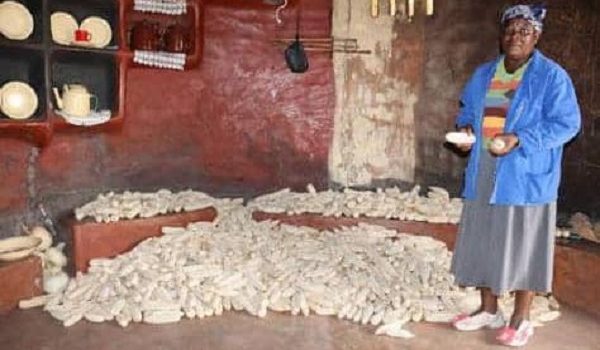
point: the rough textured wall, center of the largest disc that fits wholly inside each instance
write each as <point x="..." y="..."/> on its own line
<point x="374" y="135"/>
<point x="239" y="124"/>
<point x="572" y="37"/>
<point x="462" y="35"/>
<point x="393" y="107"/>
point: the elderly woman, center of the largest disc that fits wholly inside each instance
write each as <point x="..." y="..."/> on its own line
<point x="522" y="108"/>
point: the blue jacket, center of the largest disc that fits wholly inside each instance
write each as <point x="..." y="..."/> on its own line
<point x="544" y="114"/>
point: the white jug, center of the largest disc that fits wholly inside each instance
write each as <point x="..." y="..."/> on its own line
<point x="75" y="100"/>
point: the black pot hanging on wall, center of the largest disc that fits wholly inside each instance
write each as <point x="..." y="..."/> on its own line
<point x="295" y="57"/>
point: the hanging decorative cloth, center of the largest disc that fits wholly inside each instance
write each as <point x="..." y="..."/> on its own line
<point x="168" y="7"/>
<point x="160" y="59"/>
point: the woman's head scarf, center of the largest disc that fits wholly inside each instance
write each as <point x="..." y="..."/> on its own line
<point x="535" y="14"/>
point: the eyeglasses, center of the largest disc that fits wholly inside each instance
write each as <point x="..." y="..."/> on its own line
<point x="522" y="31"/>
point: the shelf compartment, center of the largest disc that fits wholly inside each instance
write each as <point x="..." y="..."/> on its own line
<point x="193" y="19"/>
<point x="18" y="64"/>
<point x="103" y="75"/>
<point x="38" y="133"/>
<point x="37" y="37"/>
<point x="109" y="50"/>
<point x="106" y="9"/>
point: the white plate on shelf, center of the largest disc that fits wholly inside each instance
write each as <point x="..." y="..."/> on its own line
<point x="458" y="137"/>
<point x="18" y="100"/>
<point x="99" y="30"/>
<point x="63" y="27"/>
<point x="16" y="22"/>
<point x="94" y="118"/>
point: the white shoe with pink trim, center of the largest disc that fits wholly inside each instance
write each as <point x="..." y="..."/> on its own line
<point x="478" y="321"/>
<point x="516" y="337"/>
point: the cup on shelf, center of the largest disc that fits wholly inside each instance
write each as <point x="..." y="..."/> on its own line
<point x="93" y="32"/>
<point x="145" y="35"/>
<point x="176" y="39"/>
<point x="82" y="36"/>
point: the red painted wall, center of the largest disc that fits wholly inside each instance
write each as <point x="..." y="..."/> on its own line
<point x="240" y="123"/>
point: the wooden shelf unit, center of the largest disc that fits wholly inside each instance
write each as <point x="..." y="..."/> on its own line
<point x="44" y="64"/>
<point x="193" y="19"/>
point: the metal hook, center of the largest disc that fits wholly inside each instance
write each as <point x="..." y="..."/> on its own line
<point x="278" y="10"/>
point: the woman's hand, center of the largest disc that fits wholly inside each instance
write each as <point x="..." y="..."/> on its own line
<point x="465" y="147"/>
<point x="502" y="144"/>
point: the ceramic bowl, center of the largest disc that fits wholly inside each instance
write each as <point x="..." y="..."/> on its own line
<point x="62" y="27"/>
<point x="18" y="100"/>
<point x="99" y="29"/>
<point x="16" y="22"/>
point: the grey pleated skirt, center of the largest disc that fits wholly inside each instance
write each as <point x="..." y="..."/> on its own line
<point x="504" y="248"/>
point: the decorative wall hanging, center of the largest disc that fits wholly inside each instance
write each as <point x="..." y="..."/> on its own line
<point x="410" y="8"/>
<point x="167" y="7"/>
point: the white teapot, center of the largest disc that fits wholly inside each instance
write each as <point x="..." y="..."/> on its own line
<point x="75" y="100"/>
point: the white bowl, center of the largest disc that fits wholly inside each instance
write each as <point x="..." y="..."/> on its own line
<point x="16" y="22"/>
<point x="99" y="29"/>
<point x="18" y="100"/>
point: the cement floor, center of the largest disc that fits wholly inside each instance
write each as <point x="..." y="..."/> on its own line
<point x="36" y="330"/>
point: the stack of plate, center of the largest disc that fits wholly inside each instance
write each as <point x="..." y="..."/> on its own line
<point x="18" y="100"/>
<point x="16" y="22"/>
<point x="64" y="25"/>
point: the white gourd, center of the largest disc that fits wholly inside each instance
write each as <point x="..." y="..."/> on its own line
<point x="55" y="255"/>
<point x="54" y="282"/>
